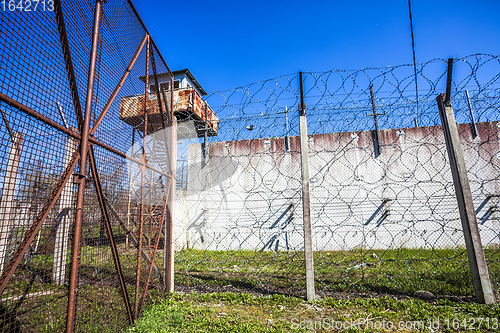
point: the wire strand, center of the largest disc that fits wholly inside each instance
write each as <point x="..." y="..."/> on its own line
<point x="413" y="50"/>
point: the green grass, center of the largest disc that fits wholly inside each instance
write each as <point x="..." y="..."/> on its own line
<point x="231" y="312"/>
<point x="440" y="271"/>
<point x="358" y="273"/>
<point x="393" y="271"/>
<point x="398" y="271"/>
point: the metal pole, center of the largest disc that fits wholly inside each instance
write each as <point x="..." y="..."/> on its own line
<point x="130" y="187"/>
<point x="287" y="138"/>
<point x="306" y="200"/>
<point x="75" y="262"/>
<point x="474" y="127"/>
<point x="158" y="95"/>
<point x="377" y="137"/>
<point x="9" y="101"/>
<point x="169" y="239"/>
<point x="8" y="191"/>
<point x="475" y="252"/>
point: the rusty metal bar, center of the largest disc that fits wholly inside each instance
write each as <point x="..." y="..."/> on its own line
<point x="475" y="253"/>
<point x="306" y="199"/>
<point x="129" y="201"/>
<point x="75" y="262"/>
<point x="9" y="101"/>
<point x="36" y="115"/>
<point x="119" y="85"/>
<point x="447" y="100"/>
<point x="63" y="37"/>
<point x="156" y="243"/>
<point x="153" y="65"/>
<point x="114" y="251"/>
<point x="141" y="207"/>
<point x="31" y="233"/>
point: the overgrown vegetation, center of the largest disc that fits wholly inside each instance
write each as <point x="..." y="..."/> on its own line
<point x="362" y="282"/>
<point x="398" y="271"/>
<point x="232" y="312"/>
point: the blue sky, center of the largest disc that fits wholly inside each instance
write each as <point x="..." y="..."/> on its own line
<point x="227" y="44"/>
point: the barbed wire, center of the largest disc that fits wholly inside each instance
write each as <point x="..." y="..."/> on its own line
<point x="383" y="208"/>
<point x="384" y="213"/>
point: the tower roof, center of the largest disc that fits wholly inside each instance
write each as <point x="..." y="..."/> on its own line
<point x="181" y="71"/>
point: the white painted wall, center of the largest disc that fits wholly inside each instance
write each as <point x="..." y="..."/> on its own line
<point x="248" y="196"/>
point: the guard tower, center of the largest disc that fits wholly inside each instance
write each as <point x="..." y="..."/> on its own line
<point x="188" y="105"/>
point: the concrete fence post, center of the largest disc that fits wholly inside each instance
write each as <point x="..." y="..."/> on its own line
<point x="8" y="190"/>
<point x="65" y="218"/>
<point x="169" y="249"/>
<point x="475" y="252"/>
<point x="306" y="199"/>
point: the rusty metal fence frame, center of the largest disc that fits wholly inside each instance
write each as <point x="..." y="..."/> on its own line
<point x="92" y="38"/>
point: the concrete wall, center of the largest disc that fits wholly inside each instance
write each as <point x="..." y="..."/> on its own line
<point x="248" y="195"/>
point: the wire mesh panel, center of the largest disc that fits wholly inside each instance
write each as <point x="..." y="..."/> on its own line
<point x="30" y="171"/>
<point x="44" y="74"/>
<point x="34" y="157"/>
<point x="237" y="216"/>
<point x="384" y="213"/>
<point x="384" y="203"/>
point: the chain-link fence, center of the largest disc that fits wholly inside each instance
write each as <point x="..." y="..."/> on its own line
<point x="79" y="236"/>
<point x="384" y="213"/>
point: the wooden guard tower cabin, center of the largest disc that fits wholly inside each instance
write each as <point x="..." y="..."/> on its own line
<point x="188" y="105"/>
